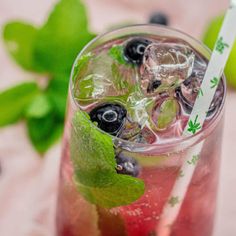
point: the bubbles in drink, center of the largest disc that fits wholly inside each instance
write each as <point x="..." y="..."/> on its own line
<point x="165" y="67"/>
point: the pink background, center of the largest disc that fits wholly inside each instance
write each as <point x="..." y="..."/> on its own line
<point x="28" y="182"/>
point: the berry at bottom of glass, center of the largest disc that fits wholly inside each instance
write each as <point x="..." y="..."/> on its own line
<point x="131" y="93"/>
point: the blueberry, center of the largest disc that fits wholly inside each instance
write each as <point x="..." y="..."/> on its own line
<point x="109" y="117"/>
<point x="153" y="86"/>
<point x="134" y="50"/>
<point x="159" y="18"/>
<point x="127" y="165"/>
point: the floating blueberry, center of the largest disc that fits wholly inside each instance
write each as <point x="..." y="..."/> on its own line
<point x="127" y="165"/>
<point x="134" y="50"/>
<point x="109" y="117"/>
<point x="159" y="18"/>
<point x="153" y="86"/>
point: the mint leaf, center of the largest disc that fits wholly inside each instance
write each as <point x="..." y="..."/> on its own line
<point x="85" y="87"/>
<point x="61" y="38"/>
<point x="19" y="39"/>
<point x="122" y="190"/>
<point x="92" y="153"/>
<point x="15" y="100"/>
<point x="119" y="80"/>
<point x="44" y="131"/>
<point x="93" y="158"/>
<point x="39" y="107"/>
<point x="84" y="82"/>
<point x="81" y="66"/>
<point x="168" y="112"/>
<point x="57" y="93"/>
<point x="117" y="53"/>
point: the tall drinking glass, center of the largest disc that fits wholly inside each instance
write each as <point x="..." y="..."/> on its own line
<point x="130" y="96"/>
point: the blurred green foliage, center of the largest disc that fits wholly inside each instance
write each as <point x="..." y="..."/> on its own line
<point x="48" y="50"/>
<point x="209" y="39"/>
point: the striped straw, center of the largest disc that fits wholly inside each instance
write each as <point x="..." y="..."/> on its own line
<point x="207" y="91"/>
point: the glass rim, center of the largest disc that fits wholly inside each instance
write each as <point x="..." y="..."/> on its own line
<point x="183" y="141"/>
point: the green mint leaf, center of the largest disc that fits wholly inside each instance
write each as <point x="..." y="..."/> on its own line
<point x="85" y="87"/>
<point x="174" y="201"/>
<point x="117" y="53"/>
<point x="44" y="132"/>
<point x="119" y="80"/>
<point x="57" y="93"/>
<point x="92" y="153"/>
<point x="39" y="107"/>
<point x="84" y="82"/>
<point x="61" y="38"/>
<point x="19" y="39"/>
<point x="168" y="112"/>
<point x="93" y="158"/>
<point x="15" y="100"/>
<point x="122" y="190"/>
<point x="81" y="66"/>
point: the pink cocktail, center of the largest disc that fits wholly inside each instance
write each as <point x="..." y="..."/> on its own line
<point x="131" y="93"/>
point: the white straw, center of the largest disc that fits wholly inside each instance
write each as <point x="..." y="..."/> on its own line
<point x="208" y="88"/>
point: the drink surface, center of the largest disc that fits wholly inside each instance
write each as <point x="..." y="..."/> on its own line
<point x="133" y="94"/>
<point x="152" y="82"/>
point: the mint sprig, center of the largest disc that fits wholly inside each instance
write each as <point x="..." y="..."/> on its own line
<point x="19" y="38"/>
<point x="44" y="131"/>
<point x="15" y="100"/>
<point x="33" y="110"/>
<point x="61" y="38"/>
<point x="48" y="50"/>
<point x="93" y="158"/>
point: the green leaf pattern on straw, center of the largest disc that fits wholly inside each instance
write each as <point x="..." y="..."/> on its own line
<point x="194" y="126"/>
<point x="221" y="45"/>
<point x="214" y="82"/>
<point x="200" y="93"/>
<point x="216" y="65"/>
<point x="194" y="160"/>
<point x="173" y="201"/>
<point x="181" y="174"/>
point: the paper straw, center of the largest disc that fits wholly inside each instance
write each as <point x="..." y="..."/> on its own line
<point x="207" y="91"/>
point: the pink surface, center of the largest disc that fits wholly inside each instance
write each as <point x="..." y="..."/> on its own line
<point x="28" y="182"/>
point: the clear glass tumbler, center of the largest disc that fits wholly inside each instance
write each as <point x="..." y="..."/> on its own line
<point x="97" y="206"/>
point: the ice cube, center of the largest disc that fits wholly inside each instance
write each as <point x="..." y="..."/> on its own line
<point x="165" y="67"/>
<point x="190" y="89"/>
<point x="139" y="107"/>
